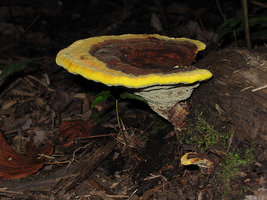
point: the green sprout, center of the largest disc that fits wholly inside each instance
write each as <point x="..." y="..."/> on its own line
<point x="106" y="94"/>
<point x="234" y="27"/>
<point x="11" y="69"/>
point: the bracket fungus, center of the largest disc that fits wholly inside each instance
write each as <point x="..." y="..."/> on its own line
<point x="199" y="159"/>
<point x="155" y="67"/>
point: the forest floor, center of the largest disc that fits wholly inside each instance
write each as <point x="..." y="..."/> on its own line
<point x="56" y="145"/>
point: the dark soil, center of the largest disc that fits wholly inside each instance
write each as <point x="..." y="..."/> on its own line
<point x="138" y="158"/>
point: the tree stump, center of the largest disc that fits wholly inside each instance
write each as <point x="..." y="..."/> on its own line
<point x="235" y="99"/>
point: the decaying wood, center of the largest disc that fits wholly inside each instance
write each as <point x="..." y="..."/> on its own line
<point x="24" y="189"/>
<point x="60" y="180"/>
<point x="235" y="99"/>
<point x="86" y="168"/>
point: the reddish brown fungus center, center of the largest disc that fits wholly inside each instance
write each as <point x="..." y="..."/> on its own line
<point x="145" y="56"/>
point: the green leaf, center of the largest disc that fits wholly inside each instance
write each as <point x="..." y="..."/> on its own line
<point x="235" y="24"/>
<point x="257" y="20"/>
<point x="15" y="67"/>
<point x="100" y="97"/>
<point x="228" y="27"/>
<point x="127" y="95"/>
<point x="252" y="21"/>
<point x="104" y="95"/>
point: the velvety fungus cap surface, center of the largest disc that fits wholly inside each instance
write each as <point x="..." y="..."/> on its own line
<point x="132" y="60"/>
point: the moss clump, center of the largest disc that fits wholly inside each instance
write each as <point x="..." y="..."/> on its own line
<point x="204" y="138"/>
<point x="232" y="163"/>
<point x="202" y="135"/>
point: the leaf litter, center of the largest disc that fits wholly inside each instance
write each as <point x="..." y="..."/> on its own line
<point x="15" y="166"/>
<point x="38" y="101"/>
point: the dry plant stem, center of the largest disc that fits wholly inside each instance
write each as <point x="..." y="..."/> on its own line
<point x="259" y="88"/>
<point x="93" y="181"/>
<point x="259" y="4"/>
<point x="230" y="141"/>
<point x="162" y="12"/>
<point x="97" y="136"/>
<point x="132" y="194"/>
<point x="5" y="190"/>
<point x="245" y="17"/>
<point x="86" y="168"/>
<point x="150" y="192"/>
<point x="27" y="187"/>
<point x="220" y="10"/>
<point x="76" y="150"/>
<point x="119" y="124"/>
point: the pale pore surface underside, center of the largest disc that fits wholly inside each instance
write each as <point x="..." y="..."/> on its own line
<point x="166" y="96"/>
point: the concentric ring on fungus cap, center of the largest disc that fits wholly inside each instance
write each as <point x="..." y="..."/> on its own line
<point x="134" y="60"/>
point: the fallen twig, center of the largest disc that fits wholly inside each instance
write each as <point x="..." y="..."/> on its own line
<point x="87" y="167"/>
<point x="259" y="88"/>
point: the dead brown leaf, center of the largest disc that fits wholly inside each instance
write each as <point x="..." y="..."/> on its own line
<point x="70" y="130"/>
<point x="14" y="165"/>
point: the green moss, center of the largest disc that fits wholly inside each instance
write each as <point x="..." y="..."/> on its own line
<point x="231" y="164"/>
<point x="202" y="135"/>
<point x="233" y="161"/>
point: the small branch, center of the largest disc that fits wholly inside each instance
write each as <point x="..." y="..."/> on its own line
<point x="87" y="167"/>
<point x="220" y="10"/>
<point x="119" y="124"/>
<point x="162" y="12"/>
<point x="76" y="150"/>
<point x="259" y="88"/>
<point x="245" y="17"/>
<point x="5" y="190"/>
<point x="259" y="4"/>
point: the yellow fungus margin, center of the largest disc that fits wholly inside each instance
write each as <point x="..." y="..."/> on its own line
<point x="92" y="68"/>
